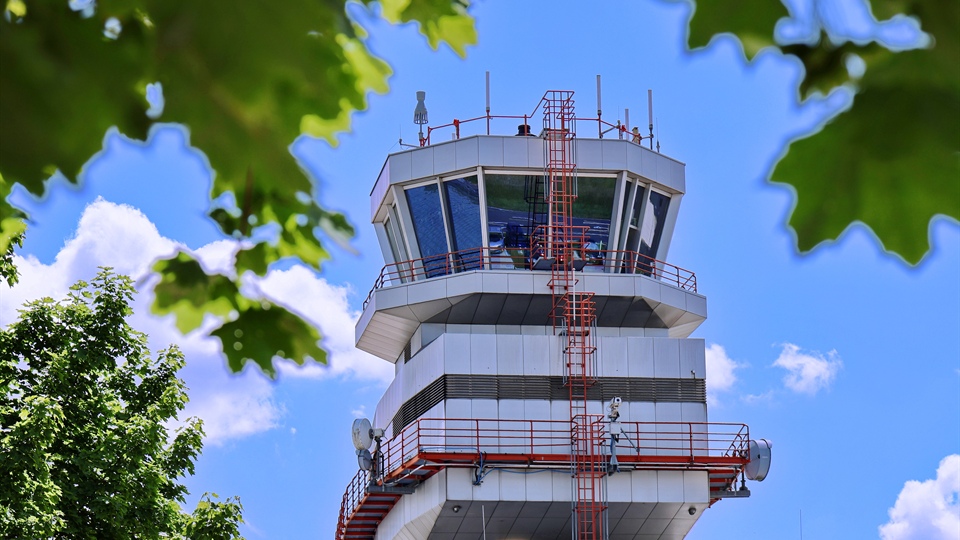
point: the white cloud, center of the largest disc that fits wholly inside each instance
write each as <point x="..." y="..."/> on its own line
<point x="231" y="405"/>
<point x="807" y="373"/>
<point x="326" y="307"/>
<point x="720" y="374"/>
<point x="927" y="510"/>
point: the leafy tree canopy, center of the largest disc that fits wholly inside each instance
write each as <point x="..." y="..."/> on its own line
<point x="84" y="451"/>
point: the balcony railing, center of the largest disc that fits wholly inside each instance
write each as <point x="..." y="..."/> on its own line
<point x="435" y="443"/>
<point x="485" y="258"/>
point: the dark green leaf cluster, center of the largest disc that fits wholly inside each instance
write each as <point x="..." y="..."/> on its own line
<point x="246" y="78"/>
<point x="892" y="161"/>
<point x="84" y="451"/>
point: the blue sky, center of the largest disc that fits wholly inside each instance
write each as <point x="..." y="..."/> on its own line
<point x="848" y="360"/>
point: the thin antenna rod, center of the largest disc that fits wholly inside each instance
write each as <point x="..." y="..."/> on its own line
<point x="599" y="110"/>
<point x="801" y="524"/>
<point x="483" y="520"/>
<point x="626" y="119"/>
<point x="650" y="114"/>
<point x="488" y="103"/>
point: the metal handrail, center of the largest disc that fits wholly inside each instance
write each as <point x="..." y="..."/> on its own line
<point x="548" y="441"/>
<point x="485" y="258"/>
<point x="623" y="132"/>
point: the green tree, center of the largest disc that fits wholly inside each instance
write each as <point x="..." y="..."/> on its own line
<point x="84" y="451"/>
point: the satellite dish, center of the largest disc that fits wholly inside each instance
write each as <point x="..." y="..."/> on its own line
<point x="365" y="460"/>
<point x="759" y="464"/>
<point x="362" y="437"/>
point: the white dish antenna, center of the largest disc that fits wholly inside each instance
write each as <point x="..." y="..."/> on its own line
<point x="362" y="434"/>
<point x="759" y="464"/>
<point x="365" y="460"/>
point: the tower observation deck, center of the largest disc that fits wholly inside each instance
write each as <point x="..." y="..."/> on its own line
<point x="546" y="384"/>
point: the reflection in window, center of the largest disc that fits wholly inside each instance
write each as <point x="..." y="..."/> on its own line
<point x="653" y="218"/>
<point x="637" y="205"/>
<point x="424" y="203"/>
<point x="514" y="207"/>
<point x="592" y="209"/>
<point x="463" y="209"/>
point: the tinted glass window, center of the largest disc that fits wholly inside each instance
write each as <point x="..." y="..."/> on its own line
<point x="592" y="209"/>
<point x="515" y="207"/>
<point x="652" y="228"/>
<point x="424" y="203"/>
<point x="463" y="209"/>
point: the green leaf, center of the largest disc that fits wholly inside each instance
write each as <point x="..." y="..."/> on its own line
<point x="751" y="21"/>
<point x="440" y="21"/>
<point x="260" y="333"/>
<point x="189" y="293"/>
<point x="892" y="161"/>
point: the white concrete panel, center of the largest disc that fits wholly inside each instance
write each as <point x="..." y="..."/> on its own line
<point x="622" y="285"/>
<point x="400" y="167"/>
<point x="466" y="283"/>
<point x="540" y="282"/>
<point x="520" y="282"/>
<point x="515" y="153"/>
<point x="640" y="361"/>
<point x="483" y="328"/>
<point x="648" y="165"/>
<point x="491" y="150"/>
<point x="619" y="487"/>
<point x="590" y="153"/>
<point x="562" y="486"/>
<point x="468" y="152"/>
<point x="427" y="290"/>
<point x="634" y="158"/>
<point x="444" y="157"/>
<point x="606" y="331"/>
<point x="673" y="296"/>
<point x="692" y="358"/>
<point x="534" y="330"/>
<point x="459" y="487"/>
<point x="539" y="486"/>
<point x="495" y="283"/>
<point x="696" y="304"/>
<point x="644" y="485"/>
<point x="538" y="413"/>
<point x="560" y="411"/>
<point x="391" y="297"/>
<point x="489" y="489"/>
<point x="696" y="487"/>
<point x="510" y="354"/>
<point x="534" y="151"/>
<point x="456" y="348"/>
<point x="614" y="155"/>
<point x="670" y="486"/>
<point x="694" y="412"/>
<point x="673" y="437"/>
<point x="483" y="354"/>
<point x="678" y="176"/>
<point x="511" y="409"/>
<point x="648" y="288"/>
<point x="555" y="345"/>
<point x="598" y="284"/>
<point x="536" y="356"/>
<point x="422" y="164"/>
<point x="485" y="409"/>
<point x="513" y="486"/>
<point x="613" y="357"/>
<point x="666" y="358"/>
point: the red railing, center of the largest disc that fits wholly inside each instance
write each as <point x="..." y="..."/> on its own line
<point x="603" y="127"/>
<point x="461" y="442"/>
<point x="484" y="258"/>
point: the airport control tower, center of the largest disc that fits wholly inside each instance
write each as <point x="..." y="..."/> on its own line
<point x="546" y="386"/>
